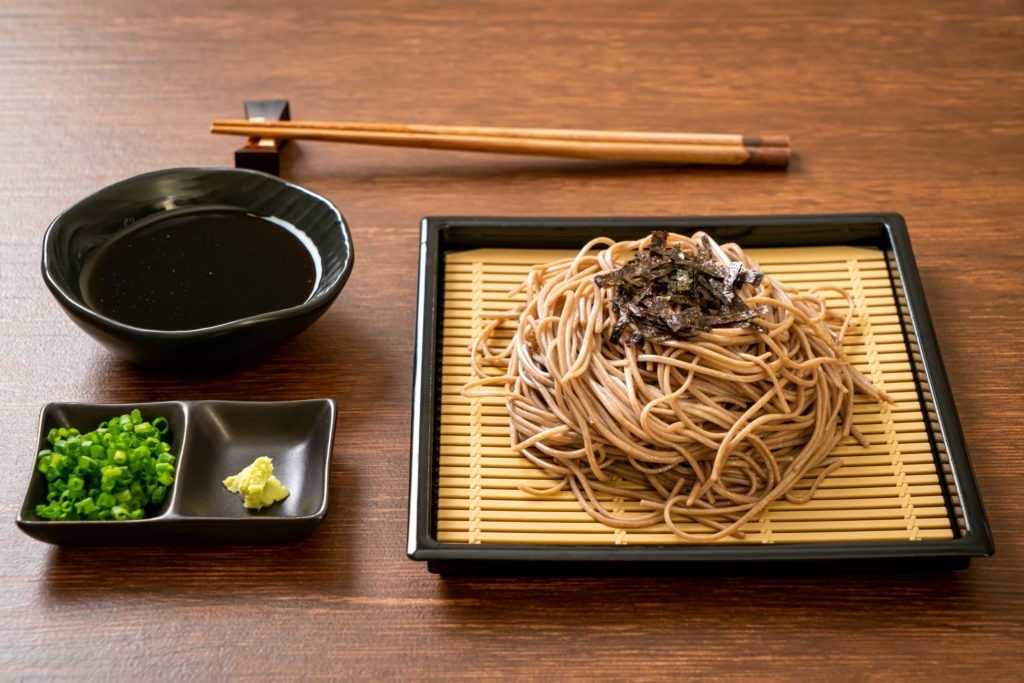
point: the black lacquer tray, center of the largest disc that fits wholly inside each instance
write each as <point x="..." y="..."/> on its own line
<point x="968" y="532"/>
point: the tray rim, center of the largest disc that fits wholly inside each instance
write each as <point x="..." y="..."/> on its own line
<point x="975" y="539"/>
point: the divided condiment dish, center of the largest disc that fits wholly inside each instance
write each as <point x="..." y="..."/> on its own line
<point x="212" y="439"/>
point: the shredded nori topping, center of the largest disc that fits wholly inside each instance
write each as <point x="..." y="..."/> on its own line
<point x="664" y="293"/>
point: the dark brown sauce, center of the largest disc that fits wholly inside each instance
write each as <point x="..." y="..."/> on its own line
<point x="189" y="270"/>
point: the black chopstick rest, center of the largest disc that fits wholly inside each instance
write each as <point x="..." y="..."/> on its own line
<point x="258" y="154"/>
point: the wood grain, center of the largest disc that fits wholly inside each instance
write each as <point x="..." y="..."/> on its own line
<point x="914" y="107"/>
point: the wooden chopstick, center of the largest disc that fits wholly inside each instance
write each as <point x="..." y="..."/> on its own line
<point x="669" y="148"/>
<point x="542" y="133"/>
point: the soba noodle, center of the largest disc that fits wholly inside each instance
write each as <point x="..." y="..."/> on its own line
<point x="708" y="429"/>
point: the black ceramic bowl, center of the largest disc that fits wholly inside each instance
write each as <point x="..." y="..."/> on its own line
<point x="80" y="231"/>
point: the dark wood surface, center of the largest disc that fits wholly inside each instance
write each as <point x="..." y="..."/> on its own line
<point x="913" y="107"/>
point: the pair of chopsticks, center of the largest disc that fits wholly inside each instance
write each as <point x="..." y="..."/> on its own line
<point x="665" y="148"/>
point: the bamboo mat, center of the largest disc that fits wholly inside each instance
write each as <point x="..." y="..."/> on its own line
<point x="888" y="491"/>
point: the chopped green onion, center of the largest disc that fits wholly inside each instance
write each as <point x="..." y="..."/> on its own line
<point x="121" y="470"/>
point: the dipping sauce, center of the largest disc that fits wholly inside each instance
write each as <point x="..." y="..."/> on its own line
<point x="193" y="269"/>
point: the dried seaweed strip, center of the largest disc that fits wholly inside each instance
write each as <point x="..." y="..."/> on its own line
<point x="665" y="293"/>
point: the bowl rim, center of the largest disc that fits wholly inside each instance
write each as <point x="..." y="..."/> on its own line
<point x="319" y="298"/>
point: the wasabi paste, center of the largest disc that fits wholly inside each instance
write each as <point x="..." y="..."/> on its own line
<point x="257" y="485"/>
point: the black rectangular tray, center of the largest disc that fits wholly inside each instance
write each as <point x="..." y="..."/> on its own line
<point x="887" y="231"/>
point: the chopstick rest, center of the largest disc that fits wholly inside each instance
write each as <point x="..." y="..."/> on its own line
<point x="263" y="154"/>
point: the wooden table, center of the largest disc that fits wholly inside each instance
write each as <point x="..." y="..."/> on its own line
<point x="912" y="107"/>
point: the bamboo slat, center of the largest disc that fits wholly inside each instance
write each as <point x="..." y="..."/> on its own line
<point x="890" y="490"/>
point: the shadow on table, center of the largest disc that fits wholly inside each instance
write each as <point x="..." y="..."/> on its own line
<point x="318" y="562"/>
<point x="331" y="359"/>
<point x="325" y="562"/>
<point x="110" y="378"/>
<point x="687" y="602"/>
<point x="488" y="168"/>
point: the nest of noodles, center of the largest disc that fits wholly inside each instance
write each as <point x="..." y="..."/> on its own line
<point x="709" y="428"/>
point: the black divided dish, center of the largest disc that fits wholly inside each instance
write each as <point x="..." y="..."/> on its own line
<point x="212" y="439"/>
<point x="82" y="232"/>
<point x="887" y="231"/>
